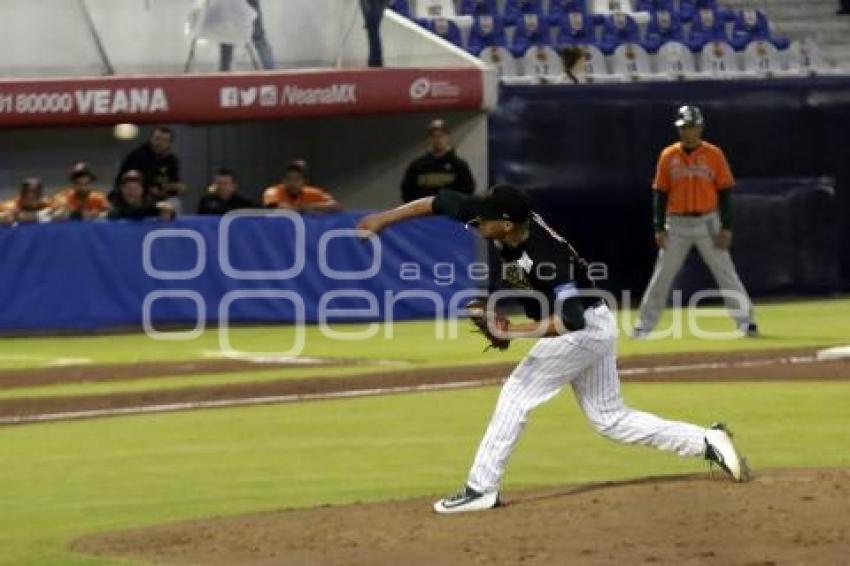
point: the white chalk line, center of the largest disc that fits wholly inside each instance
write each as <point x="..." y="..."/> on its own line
<point x="357" y="393"/>
<point x="239" y="402"/>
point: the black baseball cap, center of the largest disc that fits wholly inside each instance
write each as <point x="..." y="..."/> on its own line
<point x="504" y="202"/>
<point x="132" y="175"/>
<point x="298" y="165"/>
<point x="438" y="124"/>
<point x="688" y="116"/>
<point x="82" y="169"/>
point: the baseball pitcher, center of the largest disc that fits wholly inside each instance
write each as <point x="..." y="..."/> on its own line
<point x="576" y="342"/>
<point x="693" y="207"/>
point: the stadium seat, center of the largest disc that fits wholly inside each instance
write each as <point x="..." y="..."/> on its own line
<point x="542" y="63"/>
<point x="663" y="26"/>
<point x="708" y="26"/>
<point x="515" y="9"/>
<point x="558" y="10"/>
<point x="763" y="59"/>
<point x="476" y="7"/>
<point x="675" y="61"/>
<point x="654" y="5"/>
<point x="619" y="28"/>
<point x="751" y="25"/>
<point x="576" y="28"/>
<point x="595" y="68"/>
<point x="400" y="7"/>
<point x="444" y="28"/>
<point x="689" y="9"/>
<point x="718" y="60"/>
<point x="500" y="59"/>
<point x="805" y="58"/>
<point x="487" y="31"/>
<point x="434" y="9"/>
<point x="531" y="30"/>
<point x="631" y="61"/>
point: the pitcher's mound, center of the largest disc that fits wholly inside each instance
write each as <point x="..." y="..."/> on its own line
<point x="781" y="517"/>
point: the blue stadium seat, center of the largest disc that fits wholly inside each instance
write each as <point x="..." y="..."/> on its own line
<point x="619" y="28"/>
<point x="688" y="10"/>
<point x="707" y="26"/>
<point x="532" y="29"/>
<point x="654" y="5"/>
<point x="751" y="25"/>
<point x="444" y="28"/>
<point x="514" y="10"/>
<point x="576" y="28"/>
<point x="399" y="6"/>
<point x="487" y="31"/>
<point x="558" y="9"/>
<point x="476" y="7"/>
<point x="663" y="26"/>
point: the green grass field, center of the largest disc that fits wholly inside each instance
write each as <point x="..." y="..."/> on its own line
<point x="60" y="481"/>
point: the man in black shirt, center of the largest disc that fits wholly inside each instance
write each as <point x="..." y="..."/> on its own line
<point x="222" y="195"/>
<point x="577" y="342"/>
<point x="131" y="203"/>
<point x="157" y="163"/>
<point x="438" y="169"/>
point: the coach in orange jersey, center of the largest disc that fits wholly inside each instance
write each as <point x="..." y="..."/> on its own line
<point x="693" y="207"/>
<point x="293" y="193"/>
<point x="80" y="201"/>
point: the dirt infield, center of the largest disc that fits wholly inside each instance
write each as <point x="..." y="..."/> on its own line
<point x="798" y="364"/>
<point x="781" y="517"/>
<point x="90" y="373"/>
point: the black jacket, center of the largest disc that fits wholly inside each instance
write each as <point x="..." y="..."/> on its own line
<point x="121" y="210"/>
<point x="428" y="174"/>
<point x="155" y="168"/>
<point x="213" y="204"/>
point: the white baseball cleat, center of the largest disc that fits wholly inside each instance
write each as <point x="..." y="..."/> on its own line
<point x="720" y="450"/>
<point x="467" y="499"/>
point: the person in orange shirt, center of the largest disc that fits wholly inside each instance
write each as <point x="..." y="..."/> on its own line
<point x="293" y="193"/>
<point x="80" y="201"/>
<point x="30" y="205"/>
<point x="693" y="207"/>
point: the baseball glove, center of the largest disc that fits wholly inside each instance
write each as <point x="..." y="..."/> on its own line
<point x="490" y="324"/>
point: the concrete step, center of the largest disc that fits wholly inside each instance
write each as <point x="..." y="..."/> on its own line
<point x="776" y="13"/>
<point x="825" y="32"/>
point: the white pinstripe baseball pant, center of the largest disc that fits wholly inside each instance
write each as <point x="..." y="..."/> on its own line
<point x="587" y="360"/>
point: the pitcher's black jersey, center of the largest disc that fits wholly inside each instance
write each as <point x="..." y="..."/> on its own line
<point x="545" y="262"/>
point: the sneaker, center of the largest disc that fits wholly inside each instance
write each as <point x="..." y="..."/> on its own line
<point x="750" y="329"/>
<point x="720" y="450"/>
<point x="467" y="499"/>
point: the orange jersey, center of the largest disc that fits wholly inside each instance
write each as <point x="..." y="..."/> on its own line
<point x="14" y="205"/>
<point x="95" y="201"/>
<point x="691" y="181"/>
<point x="276" y="194"/>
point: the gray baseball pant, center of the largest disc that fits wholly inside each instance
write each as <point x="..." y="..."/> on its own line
<point x="684" y="232"/>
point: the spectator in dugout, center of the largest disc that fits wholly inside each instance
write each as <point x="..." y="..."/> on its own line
<point x="293" y="192"/>
<point x="223" y="195"/>
<point x="159" y="166"/>
<point x="131" y="202"/>
<point x="440" y="168"/>
<point x="29" y="206"/>
<point x="80" y="201"/>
